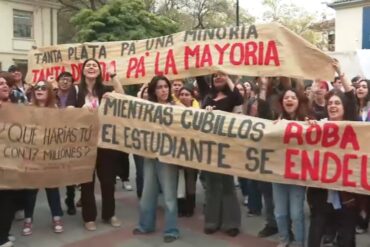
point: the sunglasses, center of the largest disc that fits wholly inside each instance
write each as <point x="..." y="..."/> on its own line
<point x="40" y="88"/>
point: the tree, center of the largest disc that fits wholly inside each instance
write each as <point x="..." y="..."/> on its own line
<point x="78" y="5"/>
<point x="121" y="20"/>
<point x="296" y="19"/>
<point x="200" y="14"/>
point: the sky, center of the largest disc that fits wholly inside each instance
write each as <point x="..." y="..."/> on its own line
<point x="256" y="8"/>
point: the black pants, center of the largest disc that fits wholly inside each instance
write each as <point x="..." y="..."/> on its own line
<point x="186" y="205"/>
<point x="106" y="170"/>
<point x="345" y="220"/>
<point x="70" y="196"/>
<point x="123" y="167"/>
<point x="8" y="206"/>
<point x="139" y="164"/>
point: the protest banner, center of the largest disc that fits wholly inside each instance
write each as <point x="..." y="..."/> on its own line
<point x="332" y="155"/>
<point x="44" y="147"/>
<point x="256" y="50"/>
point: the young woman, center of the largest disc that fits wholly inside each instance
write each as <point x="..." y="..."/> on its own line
<point x="252" y="197"/>
<point x="186" y="205"/>
<point x="326" y="205"/>
<point x="363" y="101"/>
<point x="159" y="176"/>
<point x="8" y="198"/>
<point x="43" y="96"/>
<point x="289" y="199"/>
<point x="222" y="209"/>
<point x="90" y="93"/>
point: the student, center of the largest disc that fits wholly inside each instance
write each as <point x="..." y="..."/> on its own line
<point x="363" y="106"/>
<point x="65" y="86"/>
<point x="19" y="90"/>
<point x="89" y="95"/>
<point x="43" y="96"/>
<point x="326" y="205"/>
<point x="222" y="210"/>
<point x="8" y="198"/>
<point x="289" y="199"/>
<point x="159" y="175"/>
<point x="186" y="205"/>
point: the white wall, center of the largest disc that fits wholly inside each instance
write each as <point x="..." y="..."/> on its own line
<point x="17" y="48"/>
<point x="348" y="29"/>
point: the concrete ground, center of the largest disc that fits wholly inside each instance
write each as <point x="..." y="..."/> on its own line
<point x="127" y="210"/>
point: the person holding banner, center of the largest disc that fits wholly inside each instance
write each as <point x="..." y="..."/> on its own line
<point x="43" y="96"/>
<point x="186" y="205"/>
<point x="289" y="199"/>
<point x="65" y="86"/>
<point x="8" y="198"/>
<point x="159" y="176"/>
<point x="251" y="194"/>
<point x="222" y="208"/>
<point x="327" y="204"/>
<point x="90" y="92"/>
<point x="363" y="100"/>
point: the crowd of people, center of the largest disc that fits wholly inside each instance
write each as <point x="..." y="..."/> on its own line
<point x="335" y="217"/>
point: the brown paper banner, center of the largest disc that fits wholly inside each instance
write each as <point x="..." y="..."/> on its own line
<point x="332" y="155"/>
<point x="43" y="147"/>
<point x="261" y="50"/>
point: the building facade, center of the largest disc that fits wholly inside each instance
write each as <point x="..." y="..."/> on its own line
<point x="352" y="24"/>
<point x="25" y="24"/>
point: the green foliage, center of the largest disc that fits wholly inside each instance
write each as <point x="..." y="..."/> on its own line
<point x="121" y="20"/>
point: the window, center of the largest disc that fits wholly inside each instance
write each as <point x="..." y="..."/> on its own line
<point x="22" y="24"/>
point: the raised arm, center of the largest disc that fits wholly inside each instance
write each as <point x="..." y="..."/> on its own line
<point x="345" y="82"/>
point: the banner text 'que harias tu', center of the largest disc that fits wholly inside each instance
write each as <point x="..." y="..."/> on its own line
<point x="43" y="147"/>
<point x="256" y="50"/>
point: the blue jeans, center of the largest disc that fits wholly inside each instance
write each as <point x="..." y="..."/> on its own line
<point x="53" y="197"/>
<point x="243" y="183"/>
<point x="159" y="175"/>
<point x="289" y="201"/>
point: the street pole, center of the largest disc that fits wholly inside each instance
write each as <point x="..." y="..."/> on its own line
<point x="237" y="12"/>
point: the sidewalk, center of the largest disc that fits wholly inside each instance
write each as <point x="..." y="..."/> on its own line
<point x="127" y="210"/>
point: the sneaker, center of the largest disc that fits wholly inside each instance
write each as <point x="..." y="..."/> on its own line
<point x="170" y="239"/>
<point x="115" y="222"/>
<point x="58" y="225"/>
<point x="27" y="227"/>
<point x="252" y="213"/>
<point x="233" y="232"/>
<point x="127" y="186"/>
<point x="245" y="201"/>
<point x="7" y="244"/>
<point x="360" y="230"/>
<point x="267" y="231"/>
<point x="19" y="215"/>
<point x="282" y="244"/>
<point x="90" y="226"/>
<point x="11" y="238"/>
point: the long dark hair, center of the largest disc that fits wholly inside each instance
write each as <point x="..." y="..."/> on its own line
<point x="226" y="90"/>
<point x="367" y="98"/>
<point x="348" y="115"/>
<point x="98" y="86"/>
<point x="303" y="109"/>
<point x="152" y="86"/>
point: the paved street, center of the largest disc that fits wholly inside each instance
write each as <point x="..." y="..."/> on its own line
<point x="127" y="210"/>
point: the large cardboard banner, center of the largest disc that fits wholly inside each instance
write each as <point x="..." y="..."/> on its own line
<point x="329" y="155"/>
<point x="43" y="147"/>
<point x="261" y="50"/>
